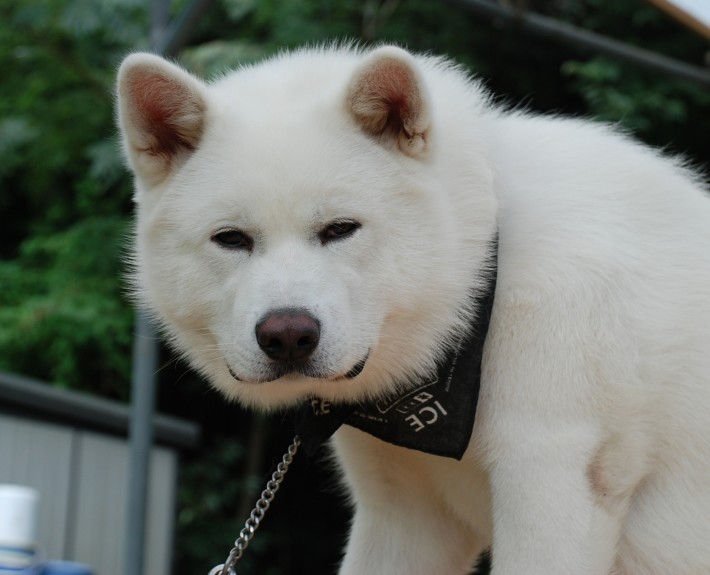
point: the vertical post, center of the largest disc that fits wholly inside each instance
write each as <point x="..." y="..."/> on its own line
<point x="143" y="389"/>
<point x="159" y="21"/>
<point x="143" y="386"/>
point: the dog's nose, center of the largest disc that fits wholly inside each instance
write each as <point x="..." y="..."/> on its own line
<point x="288" y="334"/>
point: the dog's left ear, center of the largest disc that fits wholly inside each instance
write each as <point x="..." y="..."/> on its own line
<point x="387" y="99"/>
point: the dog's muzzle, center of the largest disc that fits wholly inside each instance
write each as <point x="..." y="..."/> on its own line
<point x="289" y="337"/>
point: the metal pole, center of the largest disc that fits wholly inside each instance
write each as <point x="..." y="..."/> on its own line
<point x="179" y="32"/>
<point x="159" y="21"/>
<point x="562" y="33"/>
<point x="143" y="390"/>
<point x="145" y="356"/>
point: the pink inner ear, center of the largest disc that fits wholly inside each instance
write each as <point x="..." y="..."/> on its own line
<point x="167" y="112"/>
<point x="397" y="92"/>
<point x="386" y="98"/>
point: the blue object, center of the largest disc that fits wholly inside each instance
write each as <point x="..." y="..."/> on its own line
<point x="66" y="568"/>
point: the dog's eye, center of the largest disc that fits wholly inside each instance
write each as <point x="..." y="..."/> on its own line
<point x="338" y="231"/>
<point x="233" y="239"/>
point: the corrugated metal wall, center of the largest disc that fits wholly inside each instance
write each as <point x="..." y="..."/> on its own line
<point x="81" y="477"/>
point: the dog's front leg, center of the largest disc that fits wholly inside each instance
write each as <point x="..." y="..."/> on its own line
<point x="388" y="540"/>
<point x="401" y="524"/>
<point x="546" y="520"/>
<point x="544" y="418"/>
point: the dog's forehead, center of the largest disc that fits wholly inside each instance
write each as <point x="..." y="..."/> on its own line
<point x="298" y="163"/>
<point x="254" y="178"/>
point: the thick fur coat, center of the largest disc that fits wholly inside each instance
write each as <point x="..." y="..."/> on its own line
<point x="314" y="227"/>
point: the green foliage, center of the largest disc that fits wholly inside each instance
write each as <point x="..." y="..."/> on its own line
<point x="659" y="112"/>
<point x="65" y="198"/>
<point x="62" y="316"/>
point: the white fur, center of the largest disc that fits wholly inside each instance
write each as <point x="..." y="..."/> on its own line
<point x="591" y="448"/>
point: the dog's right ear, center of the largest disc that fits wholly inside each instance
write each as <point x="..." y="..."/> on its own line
<point x="161" y="114"/>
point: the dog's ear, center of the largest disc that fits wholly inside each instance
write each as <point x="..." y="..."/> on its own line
<point x="388" y="100"/>
<point x="161" y="114"/>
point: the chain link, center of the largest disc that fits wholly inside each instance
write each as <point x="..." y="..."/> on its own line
<point x="257" y="514"/>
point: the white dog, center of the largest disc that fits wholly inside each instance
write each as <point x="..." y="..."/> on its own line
<point x="322" y="227"/>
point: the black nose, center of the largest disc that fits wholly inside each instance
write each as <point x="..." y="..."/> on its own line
<point x="288" y="334"/>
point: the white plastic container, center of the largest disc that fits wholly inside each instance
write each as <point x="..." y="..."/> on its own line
<point x="18" y="528"/>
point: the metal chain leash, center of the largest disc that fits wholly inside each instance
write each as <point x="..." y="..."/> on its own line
<point x="257" y="514"/>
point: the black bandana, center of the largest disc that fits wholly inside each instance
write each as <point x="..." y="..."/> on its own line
<point x="436" y="416"/>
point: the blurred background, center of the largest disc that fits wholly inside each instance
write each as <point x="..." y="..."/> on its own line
<point x="65" y="212"/>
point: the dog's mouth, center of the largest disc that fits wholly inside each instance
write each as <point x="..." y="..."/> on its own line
<point x="305" y="369"/>
<point x="357" y="368"/>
